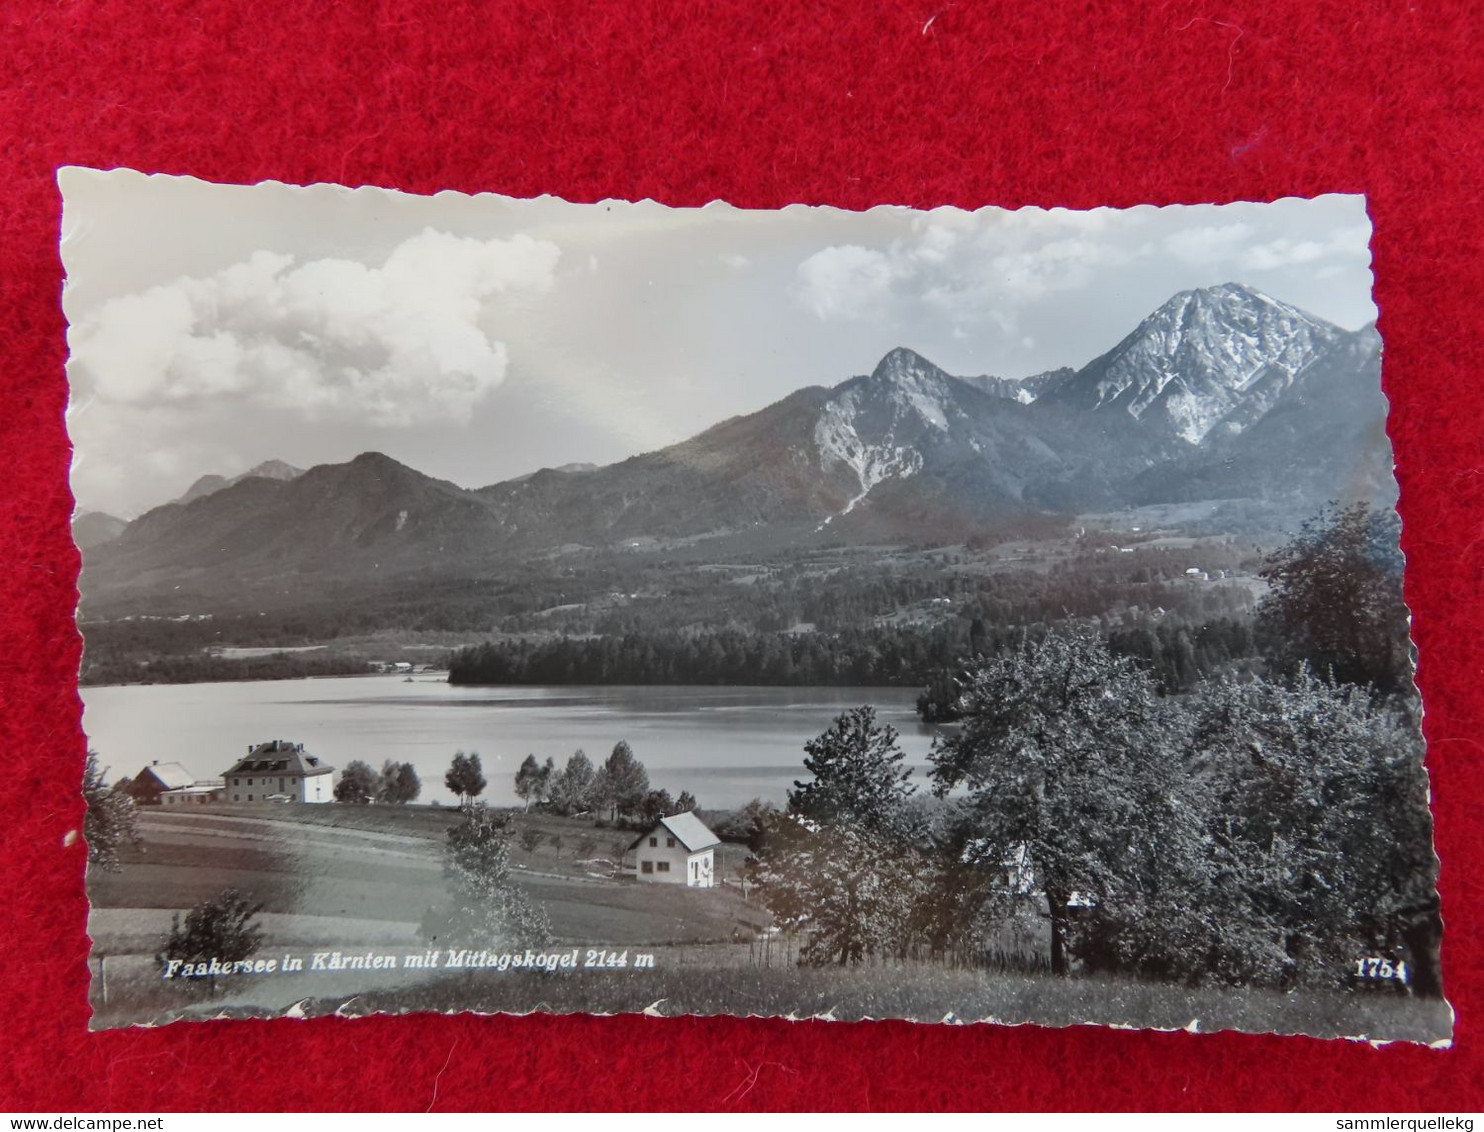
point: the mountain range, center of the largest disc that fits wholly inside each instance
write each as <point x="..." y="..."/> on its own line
<point x="210" y="484"/>
<point x="1223" y="393"/>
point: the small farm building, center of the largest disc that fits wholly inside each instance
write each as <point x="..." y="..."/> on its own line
<point x="149" y="784"/>
<point x="203" y="792"/>
<point x="678" y="850"/>
<point x="279" y="771"/>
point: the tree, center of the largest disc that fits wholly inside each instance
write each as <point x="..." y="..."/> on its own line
<point x="109" y="823"/>
<point x="359" y="783"/>
<point x="657" y="804"/>
<point x="573" y="788"/>
<point x="548" y="776"/>
<point x="465" y="777"/>
<point x="1319" y="825"/>
<point x="1336" y="601"/>
<point x="750" y="824"/>
<point x="686" y="802"/>
<point x="840" y="866"/>
<point x="938" y="702"/>
<point x="399" y="783"/>
<point x="489" y="909"/>
<point x="623" y="782"/>
<point x="528" y="781"/>
<point x="858" y="776"/>
<point x="224" y="929"/>
<point x="1072" y="764"/>
<point x="531" y="839"/>
<point x="850" y="892"/>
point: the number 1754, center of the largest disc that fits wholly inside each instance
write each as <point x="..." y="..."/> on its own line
<point x="1375" y="967"/>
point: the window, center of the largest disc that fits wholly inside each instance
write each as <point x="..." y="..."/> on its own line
<point x="663" y="866"/>
<point x="249" y="797"/>
<point x="249" y="782"/>
<point x="653" y="842"/>
<point x="236" y="782"/>
<point x="280" y="785"/>
<point x="646" y="866"/>
<point x="669" y="843"/>
<point x="236" y="797"/>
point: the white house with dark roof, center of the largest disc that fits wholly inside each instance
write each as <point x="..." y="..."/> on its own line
<point x="279" y="771"/>
<point x="678" y="850"/>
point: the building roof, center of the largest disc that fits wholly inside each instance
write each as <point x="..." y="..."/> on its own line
<point x="168" y="775"/>
<point x="687" y="829"/>
<point x="279" y="756"/>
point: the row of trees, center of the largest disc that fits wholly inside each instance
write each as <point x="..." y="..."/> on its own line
<point x="620" y="786"/>
<point x="710" y="656"/>
<point x="395" y="784"/>
<point x="1255" y="832"/>
<point x="200" y="668"/>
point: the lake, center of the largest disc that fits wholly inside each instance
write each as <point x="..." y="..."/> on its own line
<point x="726" y="745"/>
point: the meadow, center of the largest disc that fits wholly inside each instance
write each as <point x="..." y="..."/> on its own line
<point x="355" y="877"/>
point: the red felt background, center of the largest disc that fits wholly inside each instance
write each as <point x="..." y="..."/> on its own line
<point x="922" y="102"/>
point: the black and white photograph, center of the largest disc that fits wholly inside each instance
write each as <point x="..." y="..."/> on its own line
<point x="508" y="605"/>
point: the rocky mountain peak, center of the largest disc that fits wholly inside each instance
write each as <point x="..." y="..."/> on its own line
<point x="902" y="364"/>
<point x="273" y="470"/>
<point x="1204" y="356"/>
<point x="210" y="484"/>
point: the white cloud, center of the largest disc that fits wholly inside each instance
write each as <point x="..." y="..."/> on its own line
<point x="402" y="343"/>
<point x="966" y="267"/>
<point x="845" y="281"/>
<point x="934" y="244"/>
<point x="1241" y="247"/>
<point x="1208" y="242"/>
<point x="735" y="260"/>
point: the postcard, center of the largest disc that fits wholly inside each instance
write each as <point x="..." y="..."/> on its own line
<point x="506" y="605"/>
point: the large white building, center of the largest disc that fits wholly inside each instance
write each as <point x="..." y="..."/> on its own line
<point x="279" y="771"/>
<point x="678" y="850"/>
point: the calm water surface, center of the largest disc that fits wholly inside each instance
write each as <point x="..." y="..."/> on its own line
<point x="724" y="745"/>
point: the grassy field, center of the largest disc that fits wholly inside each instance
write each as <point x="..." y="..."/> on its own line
<point x="721" y="980"/>
<point x="360" y="878"/>
<point x="354" y="876"/>
<point x="385" y="862"/>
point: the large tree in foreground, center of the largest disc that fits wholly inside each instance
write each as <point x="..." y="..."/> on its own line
<point x="1316" y="806"/>
<point x="109" y="823"/>
<point x="1071" y="762"/>
<point x="1336" y="601"/>
<point x="842" y="866"/>
<point x="859" y="780"/>
<point x="850" y="892"/>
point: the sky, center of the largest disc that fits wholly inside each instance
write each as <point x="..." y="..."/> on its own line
<point x="478" y="338"/>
